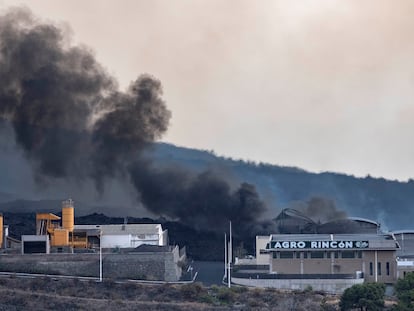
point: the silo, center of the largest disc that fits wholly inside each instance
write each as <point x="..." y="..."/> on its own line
<point x="68" y="215"/>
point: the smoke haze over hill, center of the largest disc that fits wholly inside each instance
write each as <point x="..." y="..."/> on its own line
<point x="71" y="122"/>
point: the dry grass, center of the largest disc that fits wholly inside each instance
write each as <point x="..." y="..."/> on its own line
<point x="48" y="294"/>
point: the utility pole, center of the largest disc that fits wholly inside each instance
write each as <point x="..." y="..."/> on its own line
<point x="225" y="255"/>
<point x="100" y="257"/>
<point x="230" y="257"/>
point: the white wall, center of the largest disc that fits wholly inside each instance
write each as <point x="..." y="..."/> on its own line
<point x="112" y="241"/>
<point x="128" y="240"/>
<point x="261" y="241"/>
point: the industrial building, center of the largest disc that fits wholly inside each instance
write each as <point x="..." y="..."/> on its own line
<point x="124" y="235"/>
<point x="329" y="256"/>
<point x="405" y="254"/>
<point x="134" y="251"/>
<point x="56" y="234"/>
<point x="329" y="262"/>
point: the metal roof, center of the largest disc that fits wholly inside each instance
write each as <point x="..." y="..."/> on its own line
<point x="408" y="231"/>
<point x="364" y="220"/>
<point x="121" y="229"/>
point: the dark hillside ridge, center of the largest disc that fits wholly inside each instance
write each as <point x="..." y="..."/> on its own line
<point x="388" y="202"/>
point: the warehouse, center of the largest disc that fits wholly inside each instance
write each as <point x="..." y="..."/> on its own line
<point x="125" y="235"/>
<point x="330" y="262"/>
<point x="405" y="254"/>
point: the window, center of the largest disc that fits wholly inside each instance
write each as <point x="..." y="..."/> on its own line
<point x="379" y="268"/>
<point x="298" y="255"/>
<point x="275" y="254"/>
<point x="286" y="255"/>
<point x="371" y="268"/>
<point x="317" y="254"/>
<point x="359" y="254"/>
<point x="305" y="254"/>
<point x="388" y="268"/>
<point x="336" y="254"/>
<point x="348" y="254"/>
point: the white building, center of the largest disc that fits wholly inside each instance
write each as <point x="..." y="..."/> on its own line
<point x="127" y="235"/>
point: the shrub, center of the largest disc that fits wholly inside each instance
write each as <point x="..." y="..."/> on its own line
<point x="191" y="291"/>
<point x="226" y="295"/>
<point x="369" y="296"/>
<point x="404" y="289"/>
<point x="308" y="289"/>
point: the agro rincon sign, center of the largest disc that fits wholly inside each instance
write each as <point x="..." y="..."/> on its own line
<point x="318" y="244"/>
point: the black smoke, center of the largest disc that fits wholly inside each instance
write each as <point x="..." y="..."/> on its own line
<point x="67" y="114"/>
<point x="72" y="122"/>
<point x="320" y="209"/>
<point x="203" y="200"/>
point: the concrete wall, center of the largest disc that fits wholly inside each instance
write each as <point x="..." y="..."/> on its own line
<point x="327" y="265"/>
<point x="151" y="266"/>
<point x="334" y="286"/>
<point x="382" y="257"/>
<point x="332" y="265"/>
<point x="172" y="268"/>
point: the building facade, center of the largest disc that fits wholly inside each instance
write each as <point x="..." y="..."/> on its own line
<point x="125" y="235"/>
<point x="330" y="262"/>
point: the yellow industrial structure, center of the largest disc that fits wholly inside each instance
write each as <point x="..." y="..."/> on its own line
<point x="61" y="235"/>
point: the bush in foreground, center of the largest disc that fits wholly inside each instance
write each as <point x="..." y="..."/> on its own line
<point x="368" y="297"/>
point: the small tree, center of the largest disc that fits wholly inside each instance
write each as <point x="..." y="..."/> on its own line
<point x="404" y="289"/>
<point x="368" y="297"/>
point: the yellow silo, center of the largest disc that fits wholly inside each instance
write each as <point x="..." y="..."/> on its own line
<point x="68" y="215"/>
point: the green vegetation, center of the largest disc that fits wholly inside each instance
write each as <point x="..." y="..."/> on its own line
<point x="368" y="297"/>
<point x="404" y="290"/>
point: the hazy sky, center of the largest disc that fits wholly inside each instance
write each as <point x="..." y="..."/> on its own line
<point x="324" y="85"/>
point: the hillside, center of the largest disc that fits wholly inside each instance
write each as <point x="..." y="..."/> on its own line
<point x="388" y="202"/>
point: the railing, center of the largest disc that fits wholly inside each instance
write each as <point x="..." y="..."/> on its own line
<point x="251" y="267"/>
<point x="295" y="276"/>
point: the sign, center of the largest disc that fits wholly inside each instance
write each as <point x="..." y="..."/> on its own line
<point x="317" y="244"/>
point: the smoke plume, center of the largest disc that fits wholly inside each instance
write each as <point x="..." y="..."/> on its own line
<point x="71" y="121"/>
<point x="320" y="209"/>
<point x="67" y="114"/>
<point x="202" y="200"/>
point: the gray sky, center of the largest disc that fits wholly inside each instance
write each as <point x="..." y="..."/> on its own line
<point x="324" y="85"/>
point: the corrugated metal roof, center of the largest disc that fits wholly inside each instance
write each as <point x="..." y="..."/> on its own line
<point x="407" y="231"/>
<point x="120" y="229"/>
<point x="360" y="219"/>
